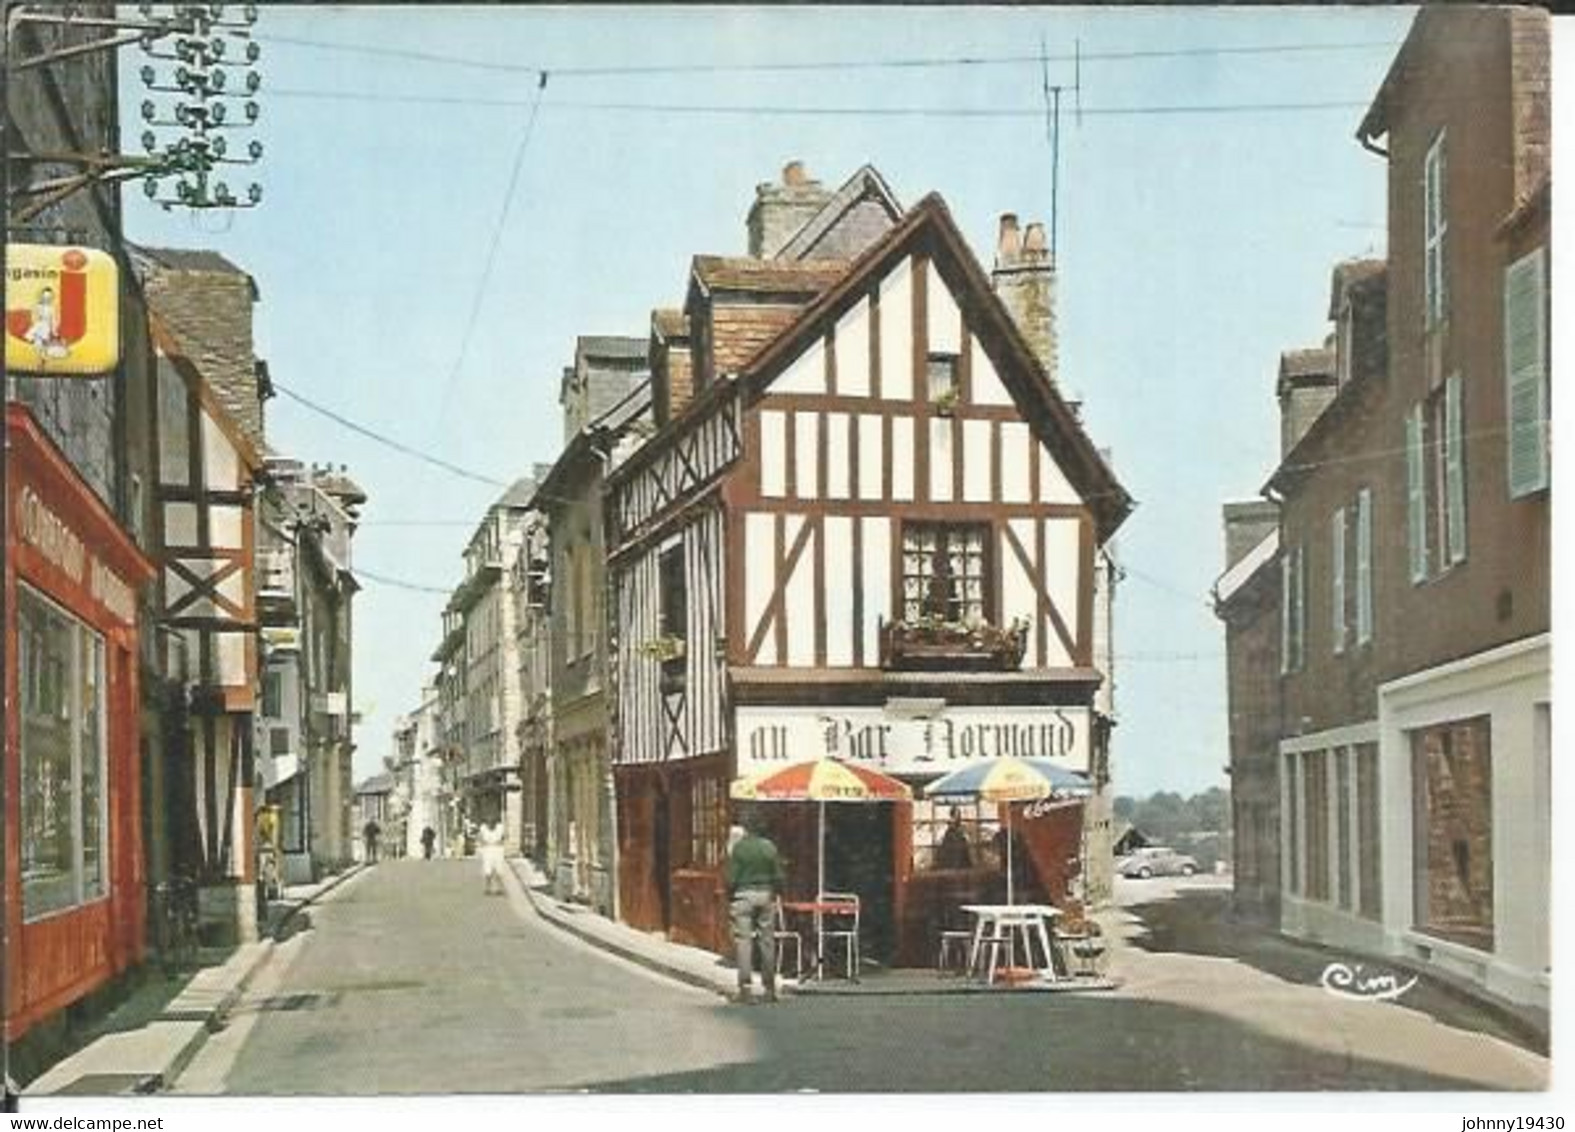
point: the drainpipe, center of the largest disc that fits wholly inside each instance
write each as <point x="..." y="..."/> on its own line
<point x="601" y="448"/>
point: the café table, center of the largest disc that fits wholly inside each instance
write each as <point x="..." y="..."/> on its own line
<point x="1001" y="920"/>
<point x="820" y="908"/>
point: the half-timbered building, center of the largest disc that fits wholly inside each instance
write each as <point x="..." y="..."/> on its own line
<point x="871" y="533"/>
<point x="206" y="559"/>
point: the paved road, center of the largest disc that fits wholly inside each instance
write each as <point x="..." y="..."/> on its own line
<point x="411" y="981"/>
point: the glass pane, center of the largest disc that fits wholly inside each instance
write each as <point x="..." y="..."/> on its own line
<point x="91" y="730"/>
<point x="48" y="795"/>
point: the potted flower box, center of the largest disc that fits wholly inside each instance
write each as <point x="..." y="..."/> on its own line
<point x="931" y="644"/>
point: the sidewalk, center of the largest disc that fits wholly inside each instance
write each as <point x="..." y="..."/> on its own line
<point x="140" y="1054"/>
<point x="709" y="972"/>
<point x="686" y="964"/>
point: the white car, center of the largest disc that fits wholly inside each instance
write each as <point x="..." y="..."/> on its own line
<point x="1155" y="861"/>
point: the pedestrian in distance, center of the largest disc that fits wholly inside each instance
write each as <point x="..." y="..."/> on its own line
<point x="754" y="885"/>
<point x="370" y="833"/>
<point x="428" y="840"/>
<point x="491" y="843"/>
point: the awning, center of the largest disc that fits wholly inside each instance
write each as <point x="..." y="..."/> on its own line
<point x="276" y="770"/>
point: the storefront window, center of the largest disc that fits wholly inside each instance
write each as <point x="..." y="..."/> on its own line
<point x="1316" y="784"/>
<point x="708" y="815"/>
<point x="1452" y="769"/>
<point x="64" y="801"/>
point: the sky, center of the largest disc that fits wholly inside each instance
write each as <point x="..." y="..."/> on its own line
<point x="400" y="290"/>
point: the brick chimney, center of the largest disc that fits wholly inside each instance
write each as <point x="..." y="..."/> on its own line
<point x="1024" y="279"/>
<point x="781" y="209"/>
<point x="672" y="365"/>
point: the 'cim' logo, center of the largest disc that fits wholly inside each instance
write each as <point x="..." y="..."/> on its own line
<point x="55" y="322"/>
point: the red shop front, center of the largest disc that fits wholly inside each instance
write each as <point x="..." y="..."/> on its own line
<point x="73" y="886"/>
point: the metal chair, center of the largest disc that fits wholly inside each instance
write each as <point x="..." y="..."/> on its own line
<point x="955" y="939"/>
<point x="784" y="935"/>
<point x="848" y="935"/>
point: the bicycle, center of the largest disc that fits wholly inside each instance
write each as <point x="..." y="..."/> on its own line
<point x="175" y="920"/>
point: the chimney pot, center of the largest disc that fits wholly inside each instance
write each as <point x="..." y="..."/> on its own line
<point x="1034" y="241"/>
<point x="1010" y="241"/>
<point x="793" y="173"/>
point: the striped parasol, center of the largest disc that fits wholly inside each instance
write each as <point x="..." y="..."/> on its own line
<point x="820" y="780"/>
<point x="1010" y="780"/>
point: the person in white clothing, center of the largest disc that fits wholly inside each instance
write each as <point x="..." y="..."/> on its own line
<point x="491" y="846"/>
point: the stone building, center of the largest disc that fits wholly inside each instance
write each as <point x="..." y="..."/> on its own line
<point x="581" y="847"/>
<point x="307" y="519"/>
<point x="1414" y="749"/>
<point x="492" y="704"/>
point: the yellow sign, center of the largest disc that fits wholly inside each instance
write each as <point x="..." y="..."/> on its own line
<point x="62" y="310"/>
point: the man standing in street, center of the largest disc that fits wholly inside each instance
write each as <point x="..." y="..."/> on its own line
<point x="370" y="835"/>
<point x="754" y="883"/>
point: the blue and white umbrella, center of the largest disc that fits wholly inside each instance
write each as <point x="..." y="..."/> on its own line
<point x="1010" y="780"/>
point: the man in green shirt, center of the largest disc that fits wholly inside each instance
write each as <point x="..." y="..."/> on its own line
<point x="754" y="883"/>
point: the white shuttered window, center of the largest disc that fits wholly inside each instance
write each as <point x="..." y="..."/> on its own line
<point x="1416" y="494"/>
<point x="1364" y="566"/>
<point x="1454" y="473"/>
<point x="1337" y="577"/>
<point x="1526" y="372"/>
<point x="1435" y="274"/>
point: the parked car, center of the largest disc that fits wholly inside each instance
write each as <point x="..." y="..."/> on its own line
<point x="1157" y="861"/>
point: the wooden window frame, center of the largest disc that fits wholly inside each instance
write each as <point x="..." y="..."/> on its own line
<point x="985" y="578"/>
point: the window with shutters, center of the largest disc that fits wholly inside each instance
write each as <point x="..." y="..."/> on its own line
<point x="1416" y="495"/>
<point x="1337" y="578"/>
<point x="1436" y="229"/>
<point x="1364" y="566"/>
<point x="1436" y="481"/>
<point x="1293" y="609"/>
<point x="1526" y="372"/>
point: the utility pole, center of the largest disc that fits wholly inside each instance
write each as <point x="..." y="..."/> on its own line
<point x="8" y="1098"/>
<point x="202" y="33"/>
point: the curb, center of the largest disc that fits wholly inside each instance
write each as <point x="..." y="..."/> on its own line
<point x="550" y="911"/>
<point x="216" y="1017"/>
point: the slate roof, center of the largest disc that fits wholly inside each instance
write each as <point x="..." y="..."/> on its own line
<point x="1307" y="363"/>
<point x="610" y="346"/>
<point x="186" y="259"/>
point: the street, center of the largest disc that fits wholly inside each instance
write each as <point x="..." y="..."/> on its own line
<point x="409" y="980"/>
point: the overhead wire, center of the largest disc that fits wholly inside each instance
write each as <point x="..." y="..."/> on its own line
<point x="386" y="441"/>
<point x="767" y="110"/>
<point x="400" y="584"/>
<point x="813" y="65"/>
<point x="493" y="243"/>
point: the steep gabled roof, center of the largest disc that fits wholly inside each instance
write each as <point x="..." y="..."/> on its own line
<point x="186" y="259"/>
<point x="1349" y="274"/>
<point x="1230" y="582"/>
<point x="167" y="345"/>
<point x="866" y="184"/>
<point x="929" y="227"/>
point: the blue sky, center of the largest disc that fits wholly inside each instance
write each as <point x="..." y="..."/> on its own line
<point x="1194" y="247"/>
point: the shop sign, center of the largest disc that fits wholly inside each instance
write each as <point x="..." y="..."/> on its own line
<point x="39" y="527"/>
<point x="899" y="743"/>
<point x="62" y="311"/>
